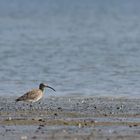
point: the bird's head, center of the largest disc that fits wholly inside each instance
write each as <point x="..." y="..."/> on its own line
<point x="42" y="86"/>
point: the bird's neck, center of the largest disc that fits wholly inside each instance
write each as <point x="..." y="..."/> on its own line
<point x="41" y="88"/>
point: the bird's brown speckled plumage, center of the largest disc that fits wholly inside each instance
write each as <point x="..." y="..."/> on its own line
<point x="34" y="95"/>
<point x="31" y="96"/>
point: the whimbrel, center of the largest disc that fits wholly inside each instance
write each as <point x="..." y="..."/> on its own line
<point x="35" y="94"/>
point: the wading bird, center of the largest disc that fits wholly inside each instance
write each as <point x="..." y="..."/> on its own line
<point x="35" y="94"/>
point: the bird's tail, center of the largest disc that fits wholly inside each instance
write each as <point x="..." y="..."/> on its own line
<point x="17" y="100"/>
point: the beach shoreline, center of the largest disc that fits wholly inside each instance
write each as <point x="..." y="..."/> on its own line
<point x="71" y="118"/>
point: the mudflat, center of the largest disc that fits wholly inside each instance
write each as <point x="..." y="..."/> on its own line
<point x="70" y="118"/>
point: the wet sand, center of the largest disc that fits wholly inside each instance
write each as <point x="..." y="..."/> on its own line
<point x="70" y="118"/>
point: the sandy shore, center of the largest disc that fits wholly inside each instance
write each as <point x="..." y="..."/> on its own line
<point x="71" y="118"/>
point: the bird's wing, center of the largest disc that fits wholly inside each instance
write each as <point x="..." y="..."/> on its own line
<point x="29" y="95"/>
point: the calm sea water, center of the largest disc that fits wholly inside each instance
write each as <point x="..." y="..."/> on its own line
<point x="83" y="47"/>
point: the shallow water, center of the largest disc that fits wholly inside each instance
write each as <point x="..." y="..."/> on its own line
<point x="78" y="47"/>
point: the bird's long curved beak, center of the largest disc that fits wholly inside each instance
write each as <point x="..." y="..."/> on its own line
<point x="50" y="88"/>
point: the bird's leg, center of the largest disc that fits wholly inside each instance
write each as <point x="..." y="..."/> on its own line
<point x="40" y="105"/>
<point x="23" y="106"/>
<point x="31" y="106"/>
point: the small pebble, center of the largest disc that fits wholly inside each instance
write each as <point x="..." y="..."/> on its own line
<point x="105" y="114"/>
<point x="34" y="137"/>
<point x="59" y="108"/>
<point x="9" y="119"/>
<point x="7" y="130"/>
<point x="92" y="121"/>
<point x="37" y="119"/>
<point x="42" y="132"/>
<point x="83" y="101"/>
<point x="23" y="137"/>
<point x="135" y="125"/>
<point x="40" y="120"/>
<point x="55" y="114"/>
<point x="79" y="125"/>
<point x="118" y="108"/>
<point x="39" y="128"/>
<point x="85" y="124"/>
